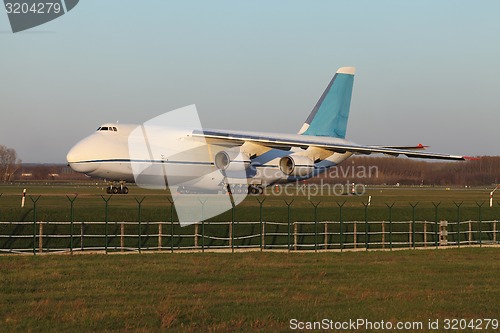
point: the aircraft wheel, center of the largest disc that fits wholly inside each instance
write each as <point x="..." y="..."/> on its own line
<point x="125" y="190"/>
<point x="108" y="190"/>
<point x="116" y="190"/>
<point x="260" y="190"/>
<point x="253" y="190"/>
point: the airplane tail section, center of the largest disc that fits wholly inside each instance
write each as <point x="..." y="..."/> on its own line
<point x="329" y="116"/>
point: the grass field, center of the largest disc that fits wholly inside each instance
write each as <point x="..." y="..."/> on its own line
<point x="244" y="292"/>
<point x="53" y="204"/>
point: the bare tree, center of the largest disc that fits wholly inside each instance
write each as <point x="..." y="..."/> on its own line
<point x="8" y="163"/>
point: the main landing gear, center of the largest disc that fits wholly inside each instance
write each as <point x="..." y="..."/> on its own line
<point x="117" y="188"/>
<point x="245" y="189"/>
<point x="255" y="189"/>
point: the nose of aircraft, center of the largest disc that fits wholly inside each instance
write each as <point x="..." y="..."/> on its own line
<point x="80" y="160"/>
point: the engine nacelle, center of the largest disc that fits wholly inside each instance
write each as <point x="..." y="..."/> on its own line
<point x="232" y="161"/>
<point x="296" y="165"/>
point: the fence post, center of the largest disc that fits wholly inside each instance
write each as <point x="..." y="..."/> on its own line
<point x="202" y="236"/>
<point x="106" y="201"/>
<point x="40" y="238"/>
<point x="315" y="225"/>
<point x="171" y="225"/>
<point x="261" y="202"/>
<point x="196" y="236"/>
<point x="139" y="218"/>
<point x="159" y="235"/>
<point x="479" y="206"/>
<point x="341" y="226"/>
<point x="366" y="225"/>
<point x="288" y="204"/>
<point x="326" y="235"/>
<point x="410" y="234"/>
<point x="494" y="232"/>
<point x="355" y="234"/>
<point x="413" y="224"/>
<point x="470" y="232"/>
<point x="71" y="201"/>
<point x="263" y="232"/>
<point x="383" y="234"/>
<point x="34" y="221"/>
<point x="425" y="233"/>
<point x="122" y="236"/>
<point x="495" y="227"/>
<point x="232" y="227"/>
<point x="458" y="219"/>
<point x="295" y="236"/>
<point x="82" y="235"/>
<point x="436" y="226"/>
<point x="202" y="224"/>
<point x="390" y="223"/>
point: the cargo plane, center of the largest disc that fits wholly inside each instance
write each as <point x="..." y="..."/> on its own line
<point x="205" y="160"/>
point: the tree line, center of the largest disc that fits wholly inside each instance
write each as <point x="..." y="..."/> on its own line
<point x="364" y="170"/>
<point x="406" y="171"/>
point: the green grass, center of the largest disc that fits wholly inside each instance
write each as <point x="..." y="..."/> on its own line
<point x="53" y="204"/>
<point x="243" y="292"/>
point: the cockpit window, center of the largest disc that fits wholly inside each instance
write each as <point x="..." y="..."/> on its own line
<point x="107" y="128"/>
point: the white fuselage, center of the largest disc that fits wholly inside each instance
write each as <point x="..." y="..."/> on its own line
<point x="116" y="153"/>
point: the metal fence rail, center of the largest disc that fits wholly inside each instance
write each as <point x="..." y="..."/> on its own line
<point x="45" y="237"/>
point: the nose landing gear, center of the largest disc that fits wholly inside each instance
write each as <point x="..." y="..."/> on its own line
<point x="117" y="188"/>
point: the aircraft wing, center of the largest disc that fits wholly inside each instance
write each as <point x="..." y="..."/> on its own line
<point x="419" y="146"/>
<point x="288" y="141"/>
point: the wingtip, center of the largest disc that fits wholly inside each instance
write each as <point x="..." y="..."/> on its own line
<point x="471" y="158"/>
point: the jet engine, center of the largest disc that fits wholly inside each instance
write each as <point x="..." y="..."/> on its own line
<point x="296" y="165"/>
<point x="231" y="161"/>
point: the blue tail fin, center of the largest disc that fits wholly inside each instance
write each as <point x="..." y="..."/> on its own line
<point x="329" y="116"/>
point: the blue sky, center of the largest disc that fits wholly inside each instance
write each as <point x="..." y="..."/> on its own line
<point x="427" y="71"/>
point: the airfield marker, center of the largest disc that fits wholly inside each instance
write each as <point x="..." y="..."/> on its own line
<point x="23" y="198"/>
<point x="491" y="195"/>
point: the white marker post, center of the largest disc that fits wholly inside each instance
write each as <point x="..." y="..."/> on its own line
<point x="369" y="200"/>
<point x="23" y="198"/>
<point x="491" y="195"/>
